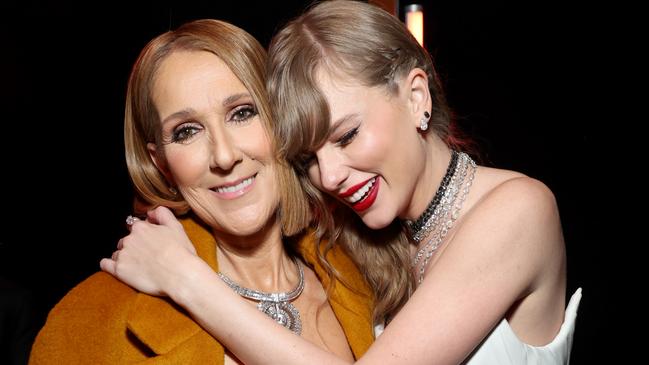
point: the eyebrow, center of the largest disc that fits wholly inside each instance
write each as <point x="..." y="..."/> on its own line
<point x="233" y="98"/>
<point x="182" y="114"/>
<point x="185" y="113"/>
<point x="342" y="120"/>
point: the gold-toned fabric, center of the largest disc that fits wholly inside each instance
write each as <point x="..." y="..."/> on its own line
<point x="104" y="321"/>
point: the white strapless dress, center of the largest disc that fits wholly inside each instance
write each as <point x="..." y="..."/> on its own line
<point x="502" y="346"/>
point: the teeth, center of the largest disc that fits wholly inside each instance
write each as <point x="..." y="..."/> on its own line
<point x="239" y="186"/>
<point x="360" y="193"/>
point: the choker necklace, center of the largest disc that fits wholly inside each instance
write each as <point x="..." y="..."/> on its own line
<point x="445" y="212"/>
<point x="275" y="305"/>
<point x="419" y="228"/>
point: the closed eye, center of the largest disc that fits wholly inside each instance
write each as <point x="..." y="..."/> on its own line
<point x="348" y="137"/>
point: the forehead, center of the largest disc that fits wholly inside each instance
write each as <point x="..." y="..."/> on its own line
<point x="188" y="77"/>
<point x="347" y="95"/>
<point x="330" y="79"/>
<point x="340" y="91"/>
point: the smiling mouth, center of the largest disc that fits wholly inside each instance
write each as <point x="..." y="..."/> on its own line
<point x="228" y="189"/>
<point x="361" y="193"/>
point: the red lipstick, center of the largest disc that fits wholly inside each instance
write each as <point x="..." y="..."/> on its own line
<point x="353" y="189"/>
<point x="367" y="202"/>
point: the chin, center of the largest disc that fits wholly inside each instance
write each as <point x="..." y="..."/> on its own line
<point x="254" y="222"/>
<point x="376" y="221"/>
<point x="245" y="227"/>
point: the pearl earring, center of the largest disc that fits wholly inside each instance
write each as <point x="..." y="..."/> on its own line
<point x="423" y="123"/>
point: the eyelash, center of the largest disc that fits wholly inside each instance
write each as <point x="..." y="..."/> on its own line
<point x="347" y="137"/>
<point x="185" y="131"/>
<point x="247" y="110"/>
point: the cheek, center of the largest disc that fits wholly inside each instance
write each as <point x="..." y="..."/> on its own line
<point x="255" y="143"/>
<point x="373" y="148"/>
<point x="187" y="163"/>
<point x="389" y="138"/>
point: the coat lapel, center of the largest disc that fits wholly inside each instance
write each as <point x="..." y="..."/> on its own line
<point x="162" y="325"/>
<point x="351" y="303"/>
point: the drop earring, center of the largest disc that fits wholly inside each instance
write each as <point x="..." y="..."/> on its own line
<point x="423" y="123"/>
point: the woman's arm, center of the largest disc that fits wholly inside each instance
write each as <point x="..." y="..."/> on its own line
<point x="496" y="258"/>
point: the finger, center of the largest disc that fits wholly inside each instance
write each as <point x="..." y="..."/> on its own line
<point x="163" y="216"/>
<point x="107" y="265"/>
<point x="120" y="244"/>
<point x="115" y="255"/>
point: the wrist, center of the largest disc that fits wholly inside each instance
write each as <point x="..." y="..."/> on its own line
<point x="188" y="284"/>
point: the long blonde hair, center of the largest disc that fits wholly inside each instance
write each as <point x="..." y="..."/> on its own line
<point x="246" y="58"/>
<point x="364" y="43"/>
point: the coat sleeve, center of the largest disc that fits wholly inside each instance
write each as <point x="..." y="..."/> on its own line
<point x="88" y="326"/>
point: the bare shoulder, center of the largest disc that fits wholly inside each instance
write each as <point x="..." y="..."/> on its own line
<point x="511" y="231"/>
<point x="516" y="227"/>
<point x="513" y="193"/>
<point x="520" y="213"/>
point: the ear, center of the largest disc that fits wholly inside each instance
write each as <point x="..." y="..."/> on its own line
<point x="418" y="94"/>
<point x="160" y="162"/>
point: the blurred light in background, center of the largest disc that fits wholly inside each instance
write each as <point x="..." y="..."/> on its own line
<point x="415" y="21"/>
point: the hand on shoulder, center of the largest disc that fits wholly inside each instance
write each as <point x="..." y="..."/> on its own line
<point x="154" y="256"/>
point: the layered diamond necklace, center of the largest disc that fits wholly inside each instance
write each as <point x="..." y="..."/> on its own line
<point x="428" y="231"/>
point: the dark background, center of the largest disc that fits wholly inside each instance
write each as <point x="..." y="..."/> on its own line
<point x="519" y="76"/>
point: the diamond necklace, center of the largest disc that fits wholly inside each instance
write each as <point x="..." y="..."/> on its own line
<point x="275" y="305"/>
<point x="445" y="213"/>
<point x="419" y="228"/>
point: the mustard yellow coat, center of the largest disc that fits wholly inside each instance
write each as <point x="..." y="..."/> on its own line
<point x="104" y="321"/>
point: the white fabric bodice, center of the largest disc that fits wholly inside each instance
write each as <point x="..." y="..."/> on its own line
<point x="503" y="347"/>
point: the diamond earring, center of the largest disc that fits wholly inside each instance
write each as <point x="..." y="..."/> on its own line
<point x="423" y="123"/>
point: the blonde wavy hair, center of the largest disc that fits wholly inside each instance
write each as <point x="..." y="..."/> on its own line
<point x="364" y="43"/>
<point x="246" y="58"/>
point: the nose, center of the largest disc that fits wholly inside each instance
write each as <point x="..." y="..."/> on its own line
<point x="332" y="170"/>
<point x="225" y="152"/>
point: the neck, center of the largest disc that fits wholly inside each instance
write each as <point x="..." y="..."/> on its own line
<point x="438" y="156"/>
<point x="258" y="261"/>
